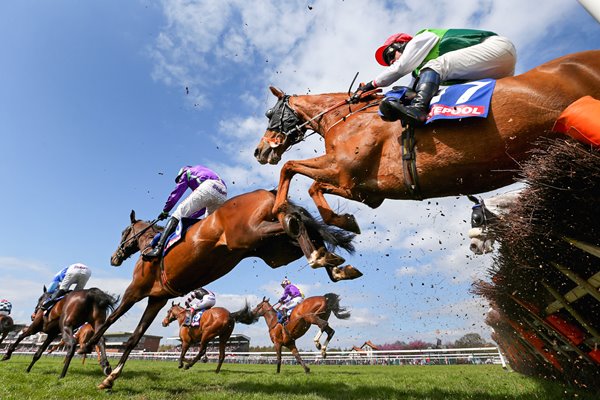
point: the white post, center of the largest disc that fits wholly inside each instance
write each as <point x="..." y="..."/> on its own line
<point x="592" y="7"/>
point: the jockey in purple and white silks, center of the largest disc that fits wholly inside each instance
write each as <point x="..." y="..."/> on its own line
<point x="76" y="274"/>
<point x="292" y="296"/>
<point x="208" y="193"/>
<point x="438" y="56"/>
<point x="199" y="300"/>
<point x="5" y="307"/>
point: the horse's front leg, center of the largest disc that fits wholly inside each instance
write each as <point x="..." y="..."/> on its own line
<point x="67" y="337"/>
<point x="43" y="347"/>
<point x="152" y="309"/>
<point x="184" y="348"/>
<point x="346" y="222"/>
<point x="318" y="168"/>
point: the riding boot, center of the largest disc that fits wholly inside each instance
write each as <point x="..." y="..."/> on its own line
<point x="158" y="249"/>
<point x="428" y="85"/>
<point x="50" y="302"/>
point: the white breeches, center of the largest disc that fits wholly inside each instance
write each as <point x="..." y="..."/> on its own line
<point x="77" y="274"/>
<point x="210" y="195"/>
<point x="291" y="304"/>
<point x="206" y="302"/>
<point x="494" y="58"/>
<point x="2" y="312"/>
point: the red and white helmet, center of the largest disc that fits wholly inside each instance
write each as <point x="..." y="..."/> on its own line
<point x="401" y="38"/>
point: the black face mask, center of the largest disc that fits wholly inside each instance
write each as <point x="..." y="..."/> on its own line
<point x="390" y="52"/>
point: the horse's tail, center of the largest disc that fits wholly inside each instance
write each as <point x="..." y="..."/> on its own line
<point x="332" y="236"/>
<point x="244" y="315"/>
<point x="333" y="304"/>
<point x="103" y="299"/>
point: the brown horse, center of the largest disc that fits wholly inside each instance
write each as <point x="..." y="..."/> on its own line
<point x="314" y="310"/>
<point x="363" y="159"/>
<point x="242" y="227"/>
<point x="82" y="336"/>
<point x="6" y="325"/>
<point x="216" y="321"/>
<point x="70" y="312"/>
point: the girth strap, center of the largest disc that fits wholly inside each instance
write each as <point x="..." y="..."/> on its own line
<point x="164" y="282"/>
<point x="409" y="161"/>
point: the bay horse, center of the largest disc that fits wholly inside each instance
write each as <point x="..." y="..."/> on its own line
<point x="6" y="325"/>
<point x="363" y="154"/>
<point x="70" y="312"/>
<point x="242" y="227"/>
<point x="83" y="334"/>
<point x="314" y="310"/>
<point x="216" y="321"/>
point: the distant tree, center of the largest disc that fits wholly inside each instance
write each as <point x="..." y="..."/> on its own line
<point x="418" y="345"/>
<point x="397" y="345"/>
<point x="470" y="340"/>
<point x="261" y="349"/>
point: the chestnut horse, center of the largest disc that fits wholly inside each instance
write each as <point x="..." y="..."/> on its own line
<point x="314" y="310"/>
<point x="240" y="228"/>
<point x="216" y="321"/>
<point x="363" y="154"/>
<point x="83" y="334"/>
<point x="6" y="325"/>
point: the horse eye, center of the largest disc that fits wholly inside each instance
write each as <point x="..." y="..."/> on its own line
<point x="269" y="113"/>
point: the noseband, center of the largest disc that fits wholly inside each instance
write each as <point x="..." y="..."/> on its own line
<point x="125" y="243"/>
<point x="481" y="216"/>
<point x="284" y="120"/>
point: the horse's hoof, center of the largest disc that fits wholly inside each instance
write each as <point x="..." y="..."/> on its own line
<point x="345" y="273"/>
<point x="205" y="359"/>
<point x="333" y="259"/>
<point x="324" y="353"/>
<point x="180" y="366"/>
<point x="186" y="366"/>
<point x="107" y="370"/>
<point x="349" y="224"/>
<point x="106" y="384"/>
<point x="307" y="370"/>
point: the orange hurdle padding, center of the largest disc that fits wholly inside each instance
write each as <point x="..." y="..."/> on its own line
<point x="581" y="121"/>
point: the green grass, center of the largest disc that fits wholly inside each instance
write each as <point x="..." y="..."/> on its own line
<point x="163" y="380"/>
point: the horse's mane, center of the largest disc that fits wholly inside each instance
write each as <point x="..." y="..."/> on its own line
<point x="333" y="236"/>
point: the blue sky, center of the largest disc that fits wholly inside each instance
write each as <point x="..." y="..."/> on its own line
<point x="95" y="120"/>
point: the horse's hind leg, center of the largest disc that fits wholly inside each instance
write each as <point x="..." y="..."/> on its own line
<point x="43" y="347"/>
<point x="296" y="354"/>
<point x="102" y="358"/>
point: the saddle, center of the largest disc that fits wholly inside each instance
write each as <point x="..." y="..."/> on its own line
<point x="184" y="225"/>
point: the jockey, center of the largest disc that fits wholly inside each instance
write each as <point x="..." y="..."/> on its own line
<point x="75" y="274"/>
<point x="437" y="56"/>
<point x="208" y="193"/>
<point x="198" y="300"/>
<point x="5" y="307"/>
<point x="292" y="296"/>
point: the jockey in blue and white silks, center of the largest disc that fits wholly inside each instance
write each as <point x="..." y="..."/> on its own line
<point x="208" y="193"/>
<point x="5" y="307"/>
<point x="76" y="274"/>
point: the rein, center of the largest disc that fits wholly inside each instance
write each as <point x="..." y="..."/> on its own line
<point x="137" y="235"/>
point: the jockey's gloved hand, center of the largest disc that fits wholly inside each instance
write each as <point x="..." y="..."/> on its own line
<point x="362" y="88"/>
<point x="163" y="215"/>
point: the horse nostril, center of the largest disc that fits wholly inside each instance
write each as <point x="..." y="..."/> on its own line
<point x="256" y="153"/>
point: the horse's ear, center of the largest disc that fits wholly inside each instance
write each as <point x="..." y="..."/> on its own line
<point x="264" y="298"/>
<point x="45" y="290"/>
<point x="277" y="92"/>
<point x="132" y="216"/>
<point x="173" y="303"/>
<point x="473" y="199"/>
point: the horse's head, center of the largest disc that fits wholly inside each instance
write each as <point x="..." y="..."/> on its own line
<point x="41" y="300"/>
<point x="262" y="308"/>
<point x="481" y="240"/>
<point x="172" y="314"/>
<point x="284" y="130"/>
<point x="136" y="236"/>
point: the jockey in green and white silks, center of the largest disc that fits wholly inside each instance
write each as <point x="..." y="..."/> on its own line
<point x="436" y="56"/>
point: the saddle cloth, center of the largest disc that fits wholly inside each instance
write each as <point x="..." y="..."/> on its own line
<point x="196" y="318"/>
<point x="182" y="227"/>
<point x="464" y="100"/>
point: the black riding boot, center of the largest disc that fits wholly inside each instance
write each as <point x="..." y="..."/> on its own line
<point x="428" y="85"/>
<point x="158" y="249"/>
<point x="50" y="302"/>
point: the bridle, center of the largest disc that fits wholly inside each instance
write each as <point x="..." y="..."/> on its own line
<point x="125" y="244"/>
<point x="481" y="216"/>
<point x="284" y="120"/>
